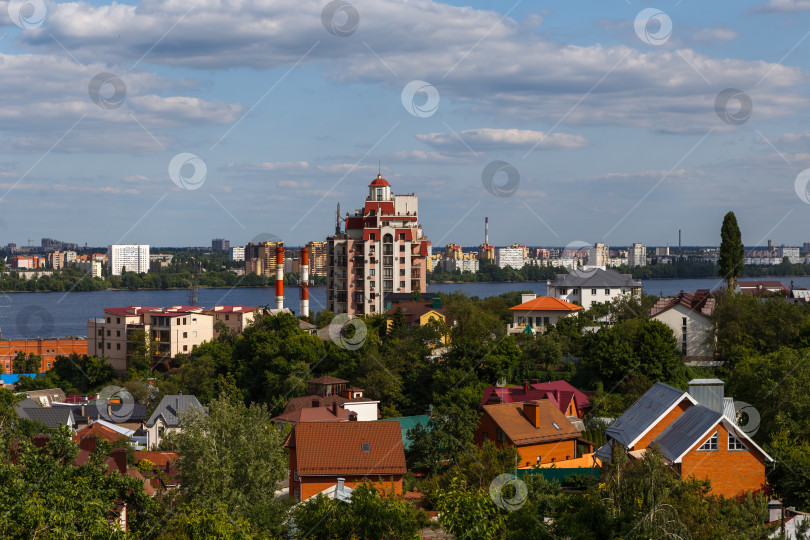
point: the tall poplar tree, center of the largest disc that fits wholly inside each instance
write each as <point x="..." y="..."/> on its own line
<point x="731" y="251"/>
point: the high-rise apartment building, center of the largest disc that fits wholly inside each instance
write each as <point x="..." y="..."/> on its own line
<point x="381" y="251"/>
<point x="132" y="257"/>
<point x="317" y="258"/>
<point x="637" y="255"/>
<point x="514" y="256"/>
<point x="261" y="258"/>
<point x="238" y="253"/>
<point x="599" y="255"/>
<point x="486" y="252"/>
<point x="220" y="244"/>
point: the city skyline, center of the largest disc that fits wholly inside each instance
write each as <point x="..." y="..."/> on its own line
<point x="599" y="122"/>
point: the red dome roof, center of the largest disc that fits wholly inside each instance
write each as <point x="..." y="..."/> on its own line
<point x="379" y="181"/>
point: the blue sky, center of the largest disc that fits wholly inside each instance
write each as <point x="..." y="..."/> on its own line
<point x="609" y="120"/>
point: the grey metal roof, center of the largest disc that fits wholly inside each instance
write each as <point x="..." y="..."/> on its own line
<point x="605" y="452"/>
<point x="52" y="417"/>
<point x="706" y="381"/>
<point x="686" y="431"/>
<point x="595" y="277"/>
<point x="171" y="407"/>
<point x="28" y="403"/>
<point x="646" y="410"/>
<point x="729" y="411"/>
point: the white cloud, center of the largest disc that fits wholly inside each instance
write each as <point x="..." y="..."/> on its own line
<point x="784" y="6"/>
<point x="473" y="56"/>
<point x="486" y="139"/>
<point x="712" y="36"/>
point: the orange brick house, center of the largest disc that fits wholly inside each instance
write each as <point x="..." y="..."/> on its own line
<point x="697" y="435"/>
<point x="323" y="452"/>
<point x="539" y="431"/>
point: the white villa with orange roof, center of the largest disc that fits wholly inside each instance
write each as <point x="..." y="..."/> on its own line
<point x="537" y="313"/>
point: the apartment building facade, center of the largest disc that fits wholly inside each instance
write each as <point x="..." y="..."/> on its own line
<point x="381" y="250"/>
<point x="317" y="258"/>
<point x="260" y="258"/>
<point x="637" y="255"/>
<point x="132" y="257"/>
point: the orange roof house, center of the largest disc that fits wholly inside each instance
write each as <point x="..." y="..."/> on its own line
<point x="537" y="313"/>
<point x="539" y="431"/>
<point x="570" y="401"/>
<point x="696" y="433"/>
<point x="323" y="452"/>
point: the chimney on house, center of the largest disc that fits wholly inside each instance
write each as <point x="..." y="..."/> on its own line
<point x="525" y="386"/>
<point x="119" y="455"/>
<point x="774" y="510"/>
<point x="334" y="408"/>
<point x="352" y="416"/>
<point x="708" y="392"/>
<point x="527" y="298"/>
<point x="341" y="482"/>
<point x="88" y="442"/>
<point x="316" y="403"/>
<point x="532" y="411"/>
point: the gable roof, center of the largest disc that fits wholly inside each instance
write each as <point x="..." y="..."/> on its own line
<point x="594" y="277"/>
<point x="323" y="401"/>
<point x="758" y="287"/>
<point x="700" y="302"/>
<point x="335" y="448"/>
<point x="413" y="309"/>
<point x="642" y="415"/>
<point x="52" y="417"/>
<point x="172" y="406"/>
<point x="521" y="431"/>
<point x="691" y="427"/>
<point x="313" y="414"/>
<point x="102" y="431"/>
<point x="327" y="379"/>
<point x="135" y="412"/>
<point x="546" y="303"/>
<point x="558" y="392"/>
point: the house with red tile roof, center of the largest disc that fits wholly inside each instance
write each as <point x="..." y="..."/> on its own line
<point x="329" y="391"/>
<point x="762" y="287"/>
<point x="569" y="400"/>
<point x="537" y="429"/>
<point x="689" y="317"/>
<point x="536" y="313"/>
<point x="321" y="453"/>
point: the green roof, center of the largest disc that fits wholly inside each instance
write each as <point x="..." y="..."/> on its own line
<point x="406" y="423"/>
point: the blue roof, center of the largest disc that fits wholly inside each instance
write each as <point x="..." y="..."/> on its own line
<point x="686" y="431"/>
<point x="644" y="412"/>
<point x="12" y="378"/>
<point x="406" y="423"/>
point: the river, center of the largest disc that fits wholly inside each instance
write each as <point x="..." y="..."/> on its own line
<point x="59" y="314"/>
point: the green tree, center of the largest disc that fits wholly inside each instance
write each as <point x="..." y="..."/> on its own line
<point x="469" y="512"/>
<point x="26" y="364"/>
<point x="235" y="457"/>
<point x="200" y="523"/>
<point x="732" y="251"/>
<point x="373" y="513"/>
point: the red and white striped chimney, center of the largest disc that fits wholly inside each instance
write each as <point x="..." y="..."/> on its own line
<point x="305" y="282"/>
<point x="279" y="277"/>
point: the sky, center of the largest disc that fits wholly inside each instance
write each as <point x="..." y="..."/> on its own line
<point x="172" y="122"/>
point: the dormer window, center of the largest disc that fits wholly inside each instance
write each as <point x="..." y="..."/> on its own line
<point x="710" y="444"/>
<point x="365" y="447"/>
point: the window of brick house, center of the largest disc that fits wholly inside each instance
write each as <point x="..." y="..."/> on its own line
<point x="710" y="444"/>
<point x="734" y="443"/>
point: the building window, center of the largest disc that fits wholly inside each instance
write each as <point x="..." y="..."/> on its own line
<point x="607" y="292"/>
<point x="563" y="291"/>
<point x="295" y="475"/>
<point x="194" y="334"/>
<point x="388" y="285"/>
<point x="402" y="249"/>
<point x="227" y="317"/>
<point x="185" y="334"/>
<point x="100" y="345"/>
<point x="108" y="319"/>
<point x="402" y="236"/>
<point x="501" y="436"/>
<point x="185" y="348"/>
<point x="109" y="345"/>
<point x="401" y="284"/>
<point x="101" y="332"/>
<point x="373" y="272"/>
<point x="710" y="444"/>
<point x="117" y="346"/>
<point x="365" y="447"/>
<point x="683" y="321"/>
<point x="118" y="333"/>
<point x="401" y="271"/>
<point x="555" y="425"/>
<point x="545" y="321"/>
<point x="184" y="321"/>
<point x="118" y="320"/>
<point x="734" y="443"/>
<point x="593" y="292"/>
<point x="485" y="436"/>
<point x="109" y="333"/>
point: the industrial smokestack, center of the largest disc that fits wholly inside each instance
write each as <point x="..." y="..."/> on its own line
<point x="305" y="282"/>
<point x="279" y="276"/>
<point x="486" y="231"/>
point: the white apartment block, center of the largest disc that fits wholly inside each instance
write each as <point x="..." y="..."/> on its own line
<point x="466" y="264"/>
<point x="238" y="253"/>
<point x="93" y="268"/>
<point x="133" y="257"/>
<point x="792" y="253"/>
<point x="636" y="255"/>
<point x="510" y="256"/>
